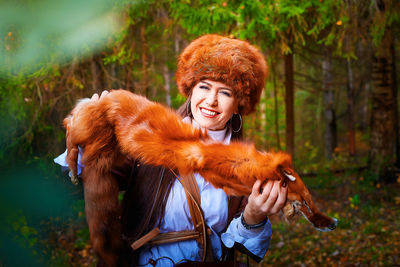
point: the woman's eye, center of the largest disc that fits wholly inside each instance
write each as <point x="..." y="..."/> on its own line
<point x="226" y="93"/>
<point x="204" y="87"/>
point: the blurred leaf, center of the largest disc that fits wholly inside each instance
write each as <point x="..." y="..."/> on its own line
<point x="34" y="33"/>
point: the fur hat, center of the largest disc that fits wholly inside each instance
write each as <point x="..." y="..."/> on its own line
<point x="233" y="62"/>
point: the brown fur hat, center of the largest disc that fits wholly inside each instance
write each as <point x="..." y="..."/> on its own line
<point x="233" y="62"/>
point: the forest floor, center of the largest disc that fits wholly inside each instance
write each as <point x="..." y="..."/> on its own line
<point x="368" y="232"/>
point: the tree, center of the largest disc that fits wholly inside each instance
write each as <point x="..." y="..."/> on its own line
<point x="383" y="126"/>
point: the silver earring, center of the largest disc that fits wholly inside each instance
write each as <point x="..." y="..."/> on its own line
<point x="241" y="122"/>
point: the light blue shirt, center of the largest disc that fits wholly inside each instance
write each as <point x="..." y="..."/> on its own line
<point x="214" y="204"/>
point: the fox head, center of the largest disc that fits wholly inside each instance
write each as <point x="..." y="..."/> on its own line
<point x="299" y="200"/>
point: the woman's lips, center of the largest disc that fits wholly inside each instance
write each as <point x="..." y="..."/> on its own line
<point x="208" y="112"/>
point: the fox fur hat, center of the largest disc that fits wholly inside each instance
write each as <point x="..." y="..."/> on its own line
<point x="233" y="62"/>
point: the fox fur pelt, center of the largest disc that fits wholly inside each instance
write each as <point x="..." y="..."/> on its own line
<point x="124" y="124"/>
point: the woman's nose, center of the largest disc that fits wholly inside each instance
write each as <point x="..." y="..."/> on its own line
<point x="211" y="99"/>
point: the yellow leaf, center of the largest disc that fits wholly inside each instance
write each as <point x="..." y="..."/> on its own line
<point x="339" y="22"/>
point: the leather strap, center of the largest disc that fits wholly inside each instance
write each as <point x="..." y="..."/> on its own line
<point x="200" y="232"/>
<point x="194" y="200"/>
<point x="193" y="197"/>
<point x="145" y="239"/>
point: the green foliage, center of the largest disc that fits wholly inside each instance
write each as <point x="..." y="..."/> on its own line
<point x="24" y="234"/>
<point x="354" y="201"/>
<point x="32" y="194"/>
<point x="60" y="29"/>
<point x="178" y="101"/>
<point x="82" y="238"/>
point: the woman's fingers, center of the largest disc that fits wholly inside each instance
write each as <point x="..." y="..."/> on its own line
<point x="94" y="97"/>
<point x="268" y="202"/>
<point x="280" y="202"/>
<point x="104" y="93"/>
<point x="256" y="188"/>
<point x="266" y="190"/>
<point x="277" y="198"/>
<point x="273" y="195"/>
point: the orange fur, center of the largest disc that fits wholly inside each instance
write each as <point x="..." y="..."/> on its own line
<point x="122" y="123"/>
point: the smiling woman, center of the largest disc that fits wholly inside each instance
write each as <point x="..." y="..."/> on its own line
<point x="223" y="79"/>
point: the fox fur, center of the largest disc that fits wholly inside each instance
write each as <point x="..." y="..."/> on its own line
<point x="124" y="124"/>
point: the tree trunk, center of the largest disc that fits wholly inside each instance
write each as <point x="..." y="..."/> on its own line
<point x="329" y="112"/>
<point x="129" y="66"/>
<point x="263" y="121"/>
<point x="95" y="69"/>
<point x="350" y="108"/>
<point x="145" y="82"/>
<point x="396" y="108"/>
<point x="167" y="82"/>
<point x="278" y="140"/>
<point x="384" y="106"/>
<point x="165" y="68"/>
<point x="289" y="102"/>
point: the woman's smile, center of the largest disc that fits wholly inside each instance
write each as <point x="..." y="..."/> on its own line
<point x="208" y="112"/>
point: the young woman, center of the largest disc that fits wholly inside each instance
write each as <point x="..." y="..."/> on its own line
<point x="222" y="79"/>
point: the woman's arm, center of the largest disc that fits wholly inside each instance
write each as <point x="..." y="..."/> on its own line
<point x="251" y="233"/>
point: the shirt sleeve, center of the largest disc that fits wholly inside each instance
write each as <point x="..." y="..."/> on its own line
<point x="254" y="242"/>
<point x="61" y="160"/>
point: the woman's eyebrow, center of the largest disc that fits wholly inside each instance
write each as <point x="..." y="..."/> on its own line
<point x="225" y="88"/>
<point x="209" y="84"/>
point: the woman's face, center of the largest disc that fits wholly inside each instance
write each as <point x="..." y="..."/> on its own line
<point x="212" y="104"/>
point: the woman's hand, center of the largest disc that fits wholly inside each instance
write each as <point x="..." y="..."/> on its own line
<point x="95" y="96"/>
<point x="270" y="201"/>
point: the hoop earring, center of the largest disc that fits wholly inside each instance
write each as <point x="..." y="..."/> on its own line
<point x="241" y="122"/>
<point x="188" y="111"/>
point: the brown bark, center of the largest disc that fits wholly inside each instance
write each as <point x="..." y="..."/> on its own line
<point x="396" y="108"/>
<point x="165" y="68"/>
<point x="145" y="82"/>
<point x="95" y="69"/>
<point x="383" y="126"/>
<point x="350" y="109"/>
<point x="278" y="140"/>
<point x="350" y="91"/>
<point x="330" y="135"/>
<point x="129" y="66"/>
<point x="289" y="102"/>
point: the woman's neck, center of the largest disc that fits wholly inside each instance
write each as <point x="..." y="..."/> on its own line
<point x="223" y="135"/>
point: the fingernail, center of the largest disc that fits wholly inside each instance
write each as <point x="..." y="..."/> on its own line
<point x="284" y="184"/>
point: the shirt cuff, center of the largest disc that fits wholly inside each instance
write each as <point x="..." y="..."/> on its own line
<point x="62" y="161"/>
<point x="254" y="240"/>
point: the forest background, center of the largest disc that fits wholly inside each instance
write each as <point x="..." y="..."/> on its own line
<point x="330" y="100"/>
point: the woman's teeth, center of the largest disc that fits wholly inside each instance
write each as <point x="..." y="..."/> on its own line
<point x="208" y="112"/>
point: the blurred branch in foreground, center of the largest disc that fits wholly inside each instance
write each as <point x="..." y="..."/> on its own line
<point x="34" y="33"/>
